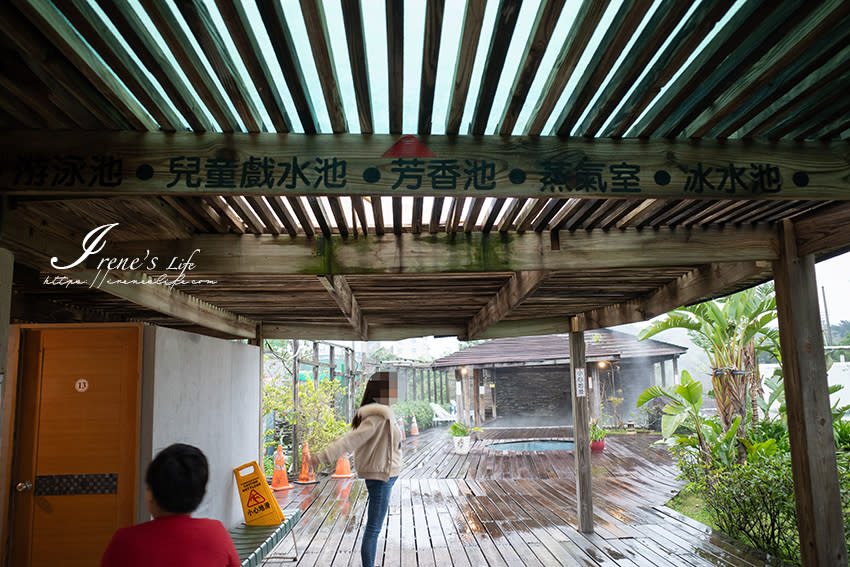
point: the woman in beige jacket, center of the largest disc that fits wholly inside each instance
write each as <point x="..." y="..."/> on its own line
<point x="375" y="440"/>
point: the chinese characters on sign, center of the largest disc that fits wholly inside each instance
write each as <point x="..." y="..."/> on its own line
<point x="404" y="174"/>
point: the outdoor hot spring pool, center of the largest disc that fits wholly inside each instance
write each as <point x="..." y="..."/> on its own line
<point x="541" y="445"/>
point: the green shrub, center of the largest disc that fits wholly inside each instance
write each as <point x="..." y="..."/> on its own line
<point x="421" y="409"/>
<point x="843" y="459"/>
<point x="841" y="429"/>
<point x="754" y="502"/>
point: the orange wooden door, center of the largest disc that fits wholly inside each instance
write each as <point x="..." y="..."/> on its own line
<point x="77" y="444"/>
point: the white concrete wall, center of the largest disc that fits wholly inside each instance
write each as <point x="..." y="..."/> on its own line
<point x="205" y="392"/>
<point x="838" y="374"/>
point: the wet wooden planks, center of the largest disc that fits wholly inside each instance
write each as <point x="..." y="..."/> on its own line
<point x="494" y="509"/>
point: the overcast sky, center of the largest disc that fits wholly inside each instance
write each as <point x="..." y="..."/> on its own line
<point x="834" y="276"/>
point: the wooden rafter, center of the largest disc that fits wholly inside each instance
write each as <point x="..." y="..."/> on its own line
<point x="245" y="39"/>
<point x="431" y="48"/>
<point x="341" y="293"/>
<point x="472" y="19"/>
<point x="520" y="286"/>
<point x="355" y="35"/>
<point x="504" y="29"/>
<point x="274" y="20"/>
<point x="184" y="52"/>
<point x="620" y="30"/>
<point x="317" y="31"/>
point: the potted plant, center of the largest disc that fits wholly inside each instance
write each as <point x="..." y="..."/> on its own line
<point x="597" y="437"/>
<point x="462" y="437"/>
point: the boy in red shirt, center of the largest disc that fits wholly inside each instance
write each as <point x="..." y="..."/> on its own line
<point x="176" y="483"/>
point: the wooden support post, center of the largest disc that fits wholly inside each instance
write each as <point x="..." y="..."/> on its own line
<point x="262" y="382"/>
<point x="476" y="399"/>
<point x="349" y="382"/>
<point x="578" y="371"/>
<point x="315" y="365"/>
<point x="816" y="489"/>
<point x="427" y="380"/>
<point x="663" y="373"/>
<point x="459" y="395"/>
<point x="296" y="368"/>
<point x="675" y="370"/>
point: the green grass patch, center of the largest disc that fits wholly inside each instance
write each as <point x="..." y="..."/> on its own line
<point x="687" y="502"/>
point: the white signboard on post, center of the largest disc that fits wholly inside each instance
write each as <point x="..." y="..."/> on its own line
<point x="580" y="390"/>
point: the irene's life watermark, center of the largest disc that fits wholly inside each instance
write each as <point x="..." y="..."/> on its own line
<point x="177" y="269"/>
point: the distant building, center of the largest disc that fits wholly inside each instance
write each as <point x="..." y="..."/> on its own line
<point x="528" y="377"/>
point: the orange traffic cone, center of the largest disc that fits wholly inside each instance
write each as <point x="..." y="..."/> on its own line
<point x="343" y="468"/>
<point x="280" y="480"/>
<point x="308" y="475"/>
<point x="401" y="426"/>
<point x="414" y="429"/>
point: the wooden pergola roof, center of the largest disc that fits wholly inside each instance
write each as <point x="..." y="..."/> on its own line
<point x="548" y="350"/>
<point x="585" y="161"/>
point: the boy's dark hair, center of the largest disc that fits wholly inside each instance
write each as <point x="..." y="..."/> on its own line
<point x="178" y="477"/>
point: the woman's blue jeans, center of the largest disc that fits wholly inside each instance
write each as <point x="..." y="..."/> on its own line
<point x="379" y="503"/>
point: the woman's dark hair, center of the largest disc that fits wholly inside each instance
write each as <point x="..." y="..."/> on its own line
<point x="377" y="387"/>
<point x="178" y="477"/>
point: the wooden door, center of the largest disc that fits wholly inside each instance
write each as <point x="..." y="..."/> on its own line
<point x="77" y="443"/>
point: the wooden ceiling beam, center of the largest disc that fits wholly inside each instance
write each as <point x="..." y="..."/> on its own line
<point x="360" y="212"/>
<point x="512" y="294"/>
<point x="40" y="54"/>
<point x="779" y="70"/>
<point x="492" y="215"/>
<point x="823" y="230"/>
<point x="243" y="36"/>
<point x="476" y="252"/>
<point x="139" y="38"/>
<point x="503" y="31"/>
<point x="748" y="34"/>
<point x="187" y="58"/>
<point x="355" y="36"/>
<point x="395" y="64"/>
<point x="301" y="214"/>
<point x="585" y="24"/>
<point x="378" y="214"/>
<point x="706" y="281"/>
<point x="416" y="215"/>
<point x="436" y="213"/>
<point x="702" y="21"/>
<point x="473" y="18"/>
<point x="88" y="24"/>
<point x="317" y="32"/>
<point x="341" y="293"/>
<point x="53" y="23"/>
<point x="541" y="33"/>
<point x="199" y="20"/>
<point x="273" y="18"/>
<point x="430" y="57"/>
<point x="610" y="48"/>
<point x="279" y="208"/>
<point x="339" y="216"/>
<point x="645" y="47"/>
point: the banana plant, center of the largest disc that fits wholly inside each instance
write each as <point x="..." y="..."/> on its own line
<point x="730" y="331"/>
<point x="682" y="409"/>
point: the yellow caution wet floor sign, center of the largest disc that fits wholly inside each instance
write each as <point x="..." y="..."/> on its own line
<point x="258" y="504"/>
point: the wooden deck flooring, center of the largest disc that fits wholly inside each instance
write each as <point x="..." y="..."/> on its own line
<point x="492" y="508"/>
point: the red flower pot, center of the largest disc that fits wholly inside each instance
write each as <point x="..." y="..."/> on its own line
<point x="597" y="446"/>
